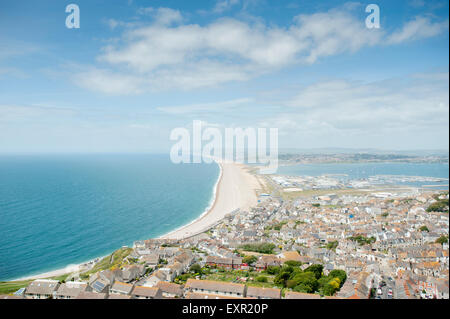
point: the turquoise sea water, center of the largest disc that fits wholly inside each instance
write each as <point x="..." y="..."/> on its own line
<point x="357" y="171"/>
<point x="67" y="209"/>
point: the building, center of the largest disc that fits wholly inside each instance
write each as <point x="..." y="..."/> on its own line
<point x="91" y="295"/>
<point x="140" y="292"/>
<point x="300" y="295"/>
<point x="228" y="263"/>
<point x="70" y="290"/>
<point x="220" y="288"/>
<point x="121" y="288"/>
<point x="263" y="293"/>
<point x="41" y="289"/>
<point x="170" y="290"/>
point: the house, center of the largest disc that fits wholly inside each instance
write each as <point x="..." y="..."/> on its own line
<point x="151" y="260"/>
<point x="110" y="276"/>
<point x="226" y="289"/>
<point x="70" y="290"/>
<point x="140" y="292"/>
<point x="263" y="293"/>
<point x="194" y="295"/>
<point x="99" y="285"/>
<point x="91" y="295"/>
<point x="228" y="263"/>
<point x="185" y="259"/>
<point x="266" y="261"/>
<point x="101" y="282"/>
<point x="41" y="289"/>
<point x="170" y="290"/>
<point x="130" y="273"/>
<point x="300" y="295"/>
<point x="121" y="288"/>
<point x="118" y="296"/>
<point x="403" y="290"/>
<point x="156" y="277"/>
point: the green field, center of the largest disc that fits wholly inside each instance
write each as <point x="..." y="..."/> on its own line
<point x="9" y="287"/>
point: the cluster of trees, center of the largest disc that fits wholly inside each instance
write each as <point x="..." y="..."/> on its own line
<point x="332" y="244"/>
<point x="439" y="206"/>
<point x="363" y="240"/>
<point x="310" y="280"/>
<point x="276" y="226"/>
<point x="250" y="260"/>
<point x="194" y="270"/>
<point x="442" y="240"/>
<point x="261" y="279"/>
<point x="263" y="248"/>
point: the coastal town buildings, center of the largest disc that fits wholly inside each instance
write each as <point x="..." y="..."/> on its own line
<point x="389" y="244"/>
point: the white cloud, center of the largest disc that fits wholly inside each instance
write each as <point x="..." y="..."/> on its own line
<point x="224" y="5"/>
<point x="418" y="28"/>
<point x="108" y="82"/>
<point x="394" y="112"/>
<point x="222" y="106"/>
<point x="169" y="54"/>
<point x="163" y="16"/>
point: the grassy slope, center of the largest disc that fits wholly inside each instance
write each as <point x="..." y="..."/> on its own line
<point x="111" y="261"/>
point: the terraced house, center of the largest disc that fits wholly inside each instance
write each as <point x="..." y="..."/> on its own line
<point x="41" y="289"/>
<point x="226" y="289"/>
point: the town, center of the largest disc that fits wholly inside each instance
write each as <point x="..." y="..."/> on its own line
<point x="341" y="245"/>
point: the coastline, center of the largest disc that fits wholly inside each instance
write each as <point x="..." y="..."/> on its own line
<point x="211" y="205"/>
<point x="236" y="189"/>
<point x="69" y="269"/>
<point x="246" y="183"/>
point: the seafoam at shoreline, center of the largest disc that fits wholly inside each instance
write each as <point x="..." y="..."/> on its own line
<point x="73" y="268"/>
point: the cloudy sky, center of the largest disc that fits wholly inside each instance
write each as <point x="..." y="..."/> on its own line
<point x="135" y="70"/>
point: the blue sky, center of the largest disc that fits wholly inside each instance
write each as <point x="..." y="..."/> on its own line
<point x="135" y="70"/>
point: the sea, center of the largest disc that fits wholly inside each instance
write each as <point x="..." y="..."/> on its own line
<point x="60" y="210"/>
<point x="386" y="172"/>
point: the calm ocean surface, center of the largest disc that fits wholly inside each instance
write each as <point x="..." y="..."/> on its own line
<point x="61" y="210"/>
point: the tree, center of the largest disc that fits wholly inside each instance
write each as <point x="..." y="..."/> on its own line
<point x="306" y="282"/>
<point x="293" y="263"/>
<point x="283" y="275"/>
<point x="442" y="240"/>
<point x="272" y="270"/>
<point x="196" y="268"/>
<point x="328" y="289"/>
<point x="424" y="228"/>
<point x="332" y="244"/>
<point x="249" y="259"/>
<point x="439" y="206"/>
<point x="263" y="248"/>
<point x="316" y="269"/>
<point x="337" y="273"/>
<point x="261" y="279"/>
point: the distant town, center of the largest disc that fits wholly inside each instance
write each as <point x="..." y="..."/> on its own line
<point x="314" y="243"/>
<point x="290" y="158"/>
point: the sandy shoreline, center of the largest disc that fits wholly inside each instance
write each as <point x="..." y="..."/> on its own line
<point x="235" y="188"/>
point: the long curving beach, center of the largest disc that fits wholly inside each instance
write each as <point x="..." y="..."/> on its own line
<point x="236" y="189"/>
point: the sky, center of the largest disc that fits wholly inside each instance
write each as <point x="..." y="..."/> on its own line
<point x="136" y="70"/>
